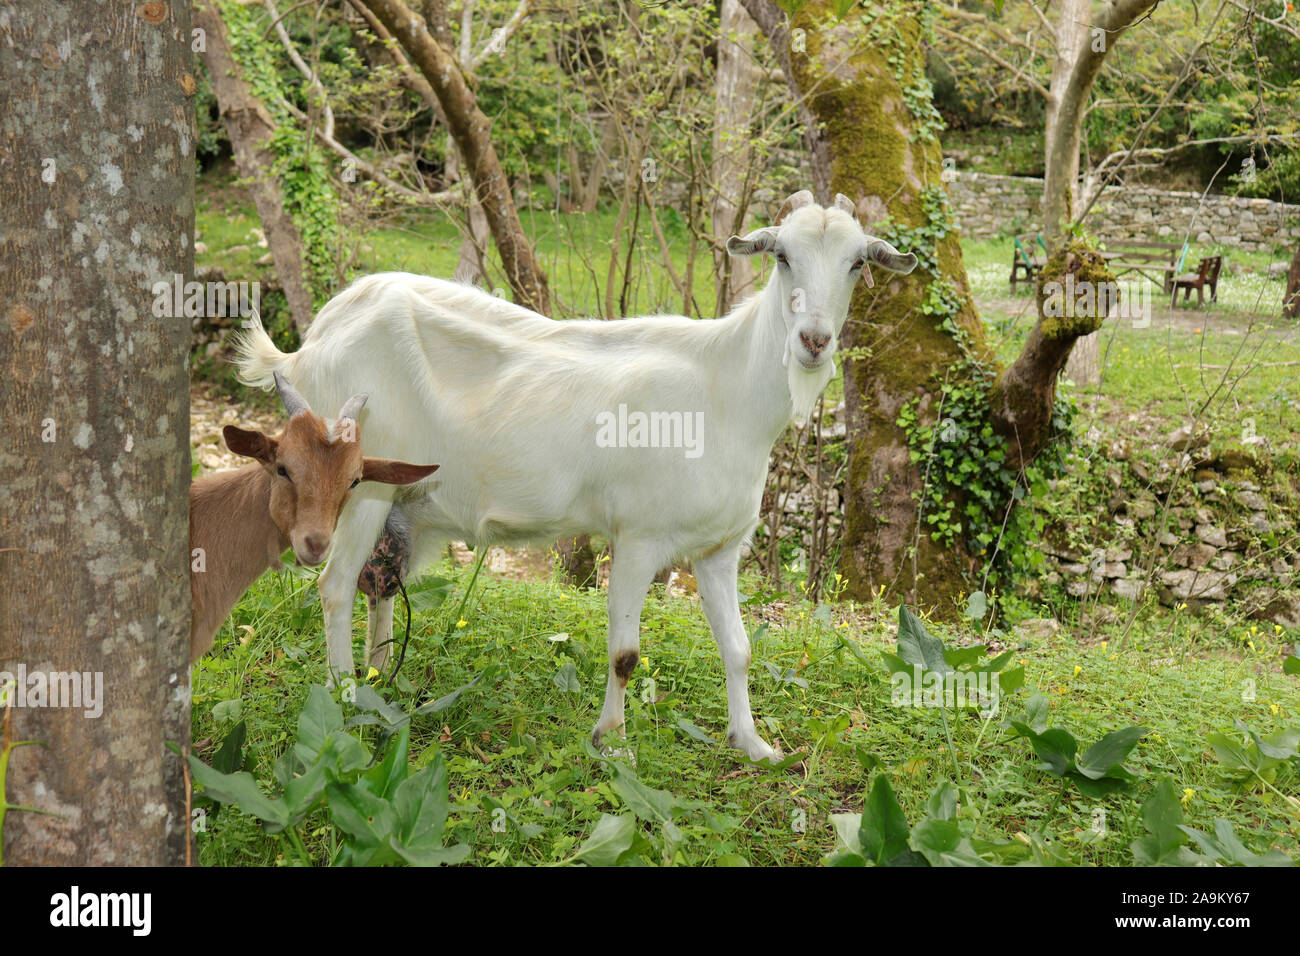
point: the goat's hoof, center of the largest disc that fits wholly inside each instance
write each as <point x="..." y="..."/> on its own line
<point x="754" y="746"/>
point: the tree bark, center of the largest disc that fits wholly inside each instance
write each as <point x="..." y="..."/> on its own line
<point x="98" y="160"/>
<point x="1083" y="366"/>
<point x="732" y="152"/>
<point x="471" y="131"/>
<point x="1062" y="145"/>
<point x="895" y="352"/>
<point x="249" y="126"/>
<point x="1291" y="301"/>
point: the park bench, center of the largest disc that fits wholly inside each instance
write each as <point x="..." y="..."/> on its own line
<point x="1207" y="273"/>
<point x="1158" y="261"/>
<point x="1024" y="257"/>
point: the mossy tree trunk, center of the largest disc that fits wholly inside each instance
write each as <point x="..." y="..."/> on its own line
<point x="911" y="341"/>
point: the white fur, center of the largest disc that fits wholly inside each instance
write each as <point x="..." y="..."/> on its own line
<point x="508" y="402"/>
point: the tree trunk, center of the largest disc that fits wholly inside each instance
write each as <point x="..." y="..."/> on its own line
<point x="732" y="152"/>
<point x="249" y="126"/>
<point x="878" y="159"/>
<point x="1291" y="301"/>
<point x="471" y="131"/>
<point x="909" y="336"/>
<point x="1083" y="367"/>
<point x="98" y="154"/>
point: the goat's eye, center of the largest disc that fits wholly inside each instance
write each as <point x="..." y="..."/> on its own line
<point x="355" y="482"/>
<point x="858" y="265"/>
<point x="780" y="257"/>
<point x="280" y="470"/>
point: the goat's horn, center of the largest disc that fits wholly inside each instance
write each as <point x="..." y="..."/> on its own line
<point x="293" y="402"/>
<point x="844" y="202"/>
<point x="352" y="407"/>
<point x="797" y="201"/>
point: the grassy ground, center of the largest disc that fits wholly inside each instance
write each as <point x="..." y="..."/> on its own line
<point x="517" y="740"/>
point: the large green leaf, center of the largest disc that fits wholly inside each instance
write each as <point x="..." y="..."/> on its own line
<point x="240" y="790"/>
<point x="1103" y="757"/>
<point x="1226" y="848"/>
<point x="654" y="806"/>
<point x="1165" y="841"/>
<point x="942" y="843"/>
<point x="611" y="838"/>
<point x="882" y="832"/>
<point x="918" y="646"/>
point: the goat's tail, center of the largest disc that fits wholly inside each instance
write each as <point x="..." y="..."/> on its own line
<point x="256" y="356"/>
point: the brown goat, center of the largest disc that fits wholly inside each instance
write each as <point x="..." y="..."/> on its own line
<point x="292" y="495"/>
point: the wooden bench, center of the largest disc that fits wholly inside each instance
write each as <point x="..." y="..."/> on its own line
<point x="1024" y="257"/>
<point x="1207" y="273"/>
<point x="1158" y="261"/>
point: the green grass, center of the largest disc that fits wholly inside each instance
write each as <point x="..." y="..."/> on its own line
<point x="517" y="740"/>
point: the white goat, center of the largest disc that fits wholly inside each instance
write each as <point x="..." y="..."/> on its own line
<point x="544" y="426"/>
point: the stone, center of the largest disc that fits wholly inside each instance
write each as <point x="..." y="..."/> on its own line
<point x="1206" y="585"/>
<point x="1142" y="508"/>
<point x="1192" y="555"/>
<point x="1260" y="525"/>
<point x="1224" y="560"/>
<point x="1212" y="534"/>
<point x="1252" y="500"/>
<point x="1183" y="438"/>
<point x="1042" y="628"/>
<point x="1079" y="587"/>
<point x="1127" y="589"/>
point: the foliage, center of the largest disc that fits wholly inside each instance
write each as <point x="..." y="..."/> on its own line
<point x="300" y="166"/>
<point x="385" y="814"/>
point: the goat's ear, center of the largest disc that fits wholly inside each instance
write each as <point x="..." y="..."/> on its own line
<point x="250" y="444"/>
<point x="881" y="252"/>
<point x="392" y="472"/>
<point x="756" y="243"/>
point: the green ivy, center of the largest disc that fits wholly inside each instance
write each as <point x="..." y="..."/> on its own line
<point x="300" y="167"/>
<point x="968" y="485"/>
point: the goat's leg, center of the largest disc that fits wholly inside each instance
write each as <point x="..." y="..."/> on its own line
<point x="354" y="537"/>
<point x="716" y="577"/>
<point x="379" y="631"/>
<point x="629" y="579"/>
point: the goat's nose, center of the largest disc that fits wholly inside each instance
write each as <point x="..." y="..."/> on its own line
<point x="315" y="544"/>
<point x="814" y="343"/>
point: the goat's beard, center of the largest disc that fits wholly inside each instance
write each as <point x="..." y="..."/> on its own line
<point x="806" y="387"/>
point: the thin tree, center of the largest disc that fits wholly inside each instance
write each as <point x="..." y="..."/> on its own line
<point x="434" y="54"/>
